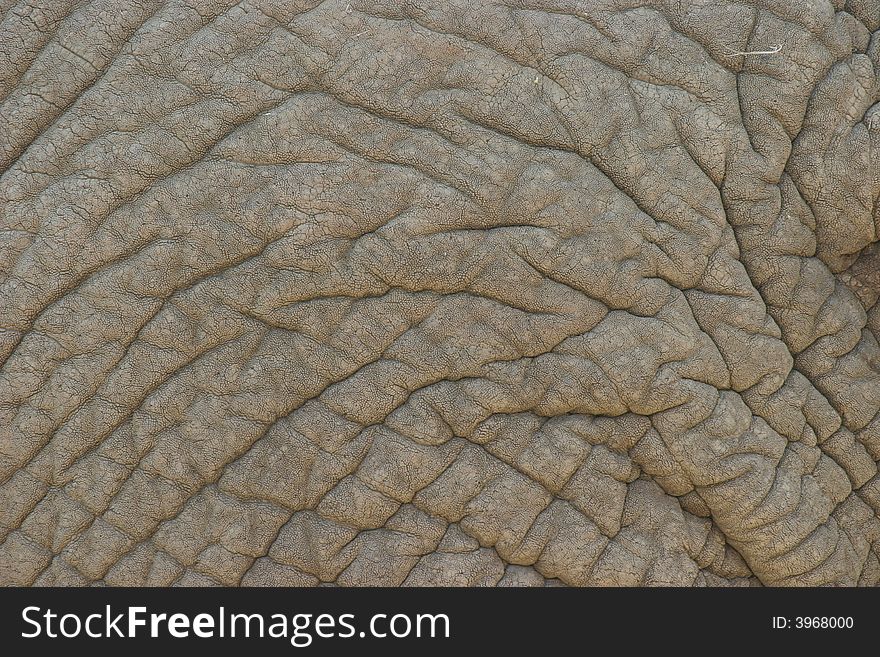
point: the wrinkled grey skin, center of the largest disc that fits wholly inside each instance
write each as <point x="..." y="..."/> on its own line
<point x="471" y="293"/>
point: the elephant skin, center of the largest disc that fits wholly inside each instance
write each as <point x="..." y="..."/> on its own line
<point x="365" y="292"/>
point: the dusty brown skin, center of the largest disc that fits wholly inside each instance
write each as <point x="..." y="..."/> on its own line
<point x="457" y="292"/>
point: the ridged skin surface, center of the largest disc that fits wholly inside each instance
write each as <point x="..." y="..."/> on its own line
<point x="460" y="293"/>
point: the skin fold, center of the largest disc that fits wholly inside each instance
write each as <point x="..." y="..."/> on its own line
<point x="404" y="292"/>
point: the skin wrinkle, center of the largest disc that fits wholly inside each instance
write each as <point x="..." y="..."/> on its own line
<point x="352" y="296"/>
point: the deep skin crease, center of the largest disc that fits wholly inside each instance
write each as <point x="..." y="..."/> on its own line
<point x="519" y="293"/>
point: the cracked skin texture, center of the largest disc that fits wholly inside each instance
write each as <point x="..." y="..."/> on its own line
<point x="464" y="293"/>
